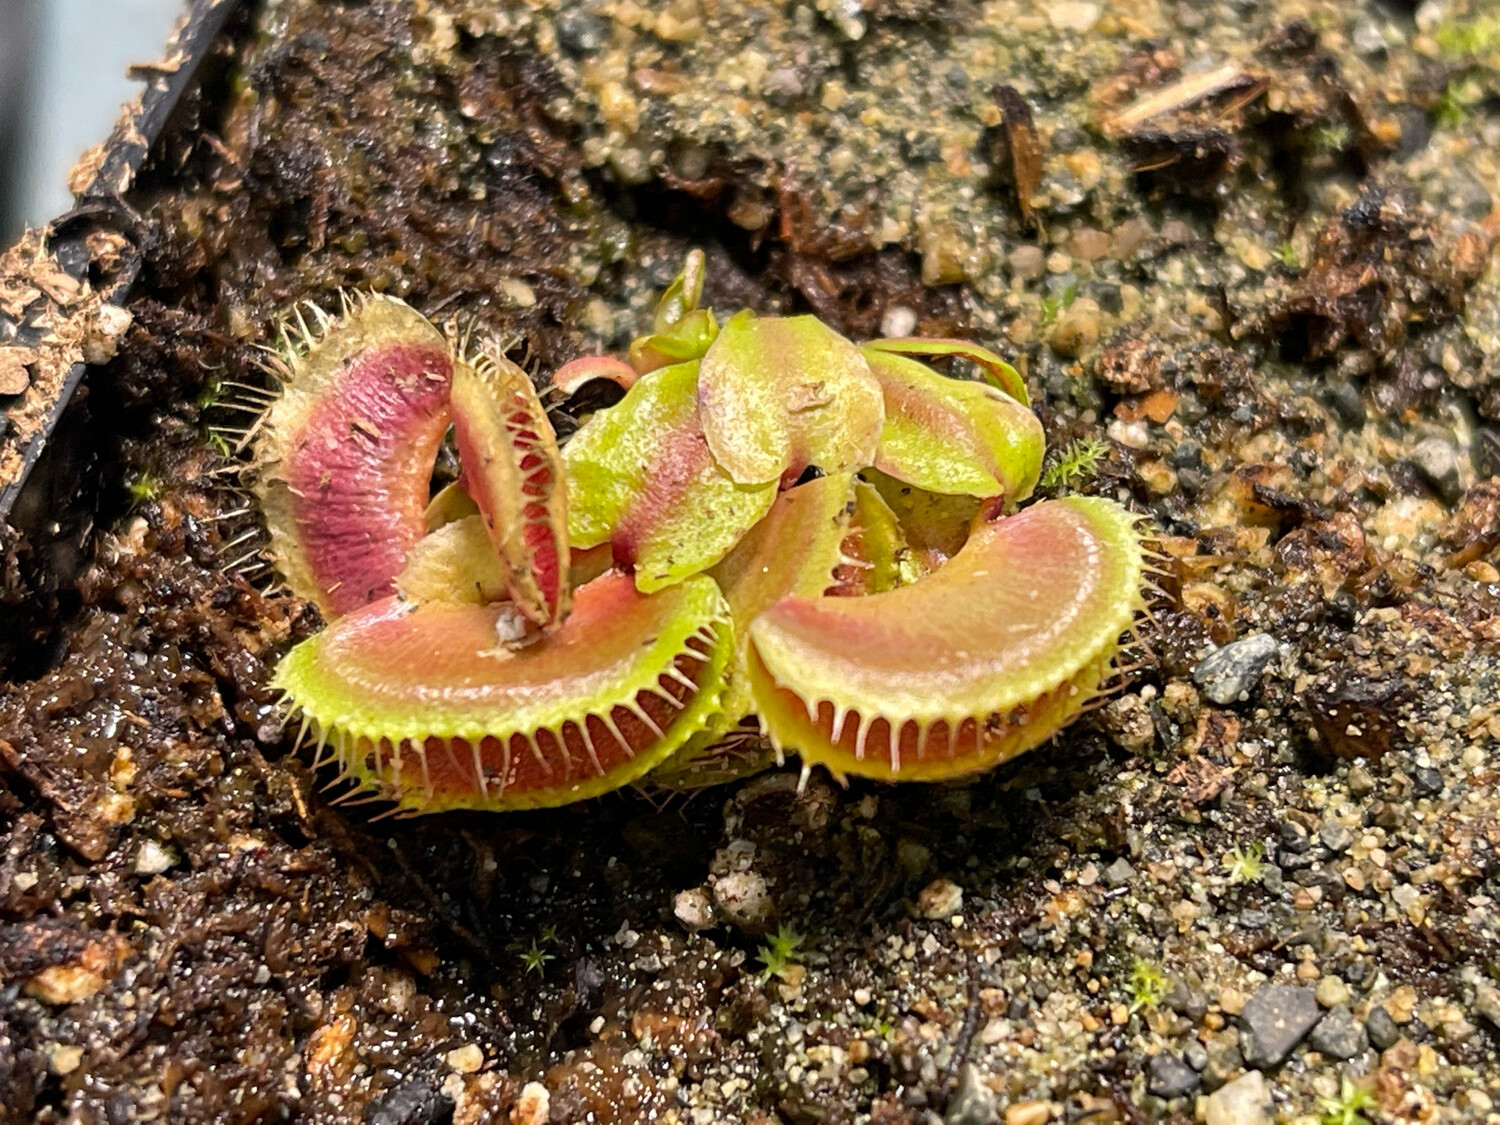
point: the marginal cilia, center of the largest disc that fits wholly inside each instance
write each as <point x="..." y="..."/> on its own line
<point x="675" y="595"/>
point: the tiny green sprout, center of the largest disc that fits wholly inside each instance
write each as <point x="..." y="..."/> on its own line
<point x="143" y="489"/>
<point x="883" y="1027"/>
<point x="535" y="959"/>
<point x="782" y="950"/>
<point x="1054" y="304"/>
<point x="1457" y="101"/>
<point x="1287" y="255"/>
<point x="209" y="394"/>
<point x="548" y="935"/>
<point x="1332" y="137"/>
<point x="1148" y="986"/>
<point x="1075" y="465"/>
<point x="1245" y="865"/>
<point x="1471" y="38"/>
<point x="1348" y="1108"/>
<point x="219" y="444"/>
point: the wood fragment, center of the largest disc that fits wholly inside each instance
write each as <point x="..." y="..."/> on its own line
<point x="1025" y="147"/>
<point x="1186" y="92"/>
<point x="15" y="369"/>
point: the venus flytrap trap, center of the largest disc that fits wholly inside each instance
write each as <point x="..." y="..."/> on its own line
<point x="672" y="596"/>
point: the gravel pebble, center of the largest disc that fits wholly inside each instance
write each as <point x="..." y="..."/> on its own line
<point x="1167" y="1076"/>
<point x="940" y="899"/>
<point x="1195" y="1054"/>
<point x="1336" y="837"/>
<point x="743" y="899"/>
<point x="973" y="1102"/>
<point x="1119" y="872"/>
<point x="898" y="320"/>
<point x="581" y="31"/>
<point x="1224" y="1062"/>
<point x="694" y="909"/>
<point x="1487" y="1003"/>
<point x="1382" y="1029"/>
<point x="1361" y="783"/>
<point x="1294" y="838"/>
<point x="1245" y="1101"/>
<point x="1332" y="992"/>
<point x="1339" y="1035"/>
<point x="1426" y="782"/>
<point x="154" y="858"/>
<point x="1231" y="673"/>
<point x="1275" y="1020"/>
<point x="1436" y="460"/>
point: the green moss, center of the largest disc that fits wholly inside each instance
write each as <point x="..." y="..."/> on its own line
<point x="1245" y="865"/>
<point x="1075" y="465"/>
<point x="1348" y="1108"/>
<point x="782" y="950"/>
<point x="1469" y="38"/>
<point x="1457" y="102"/>
<point x="535" y="959"/>
<point x="143" y="489"/>
<point x="1054" y="304"/>
<point x="1148" y="986"/>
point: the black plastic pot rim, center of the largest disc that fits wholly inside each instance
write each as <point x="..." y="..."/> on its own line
<point x="102" y="206"/>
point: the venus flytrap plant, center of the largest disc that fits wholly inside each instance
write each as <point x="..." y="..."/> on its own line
<point x="560" y="623"/>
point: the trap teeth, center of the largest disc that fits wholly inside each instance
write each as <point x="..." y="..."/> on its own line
<point x="346" y="452"/>
<point x="514" y="474"/>
<point x="882" y="618"/>
<point x="990" y="655"/>
<point x="422" y="705"/>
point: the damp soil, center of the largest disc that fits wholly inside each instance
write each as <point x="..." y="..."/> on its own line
<point x="1246" y="244"/>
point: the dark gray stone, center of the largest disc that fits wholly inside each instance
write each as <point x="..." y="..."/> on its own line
<point x="1187" y="455"/>
<point x="1195" y="1054"/>
<point x="1232" y="672"/>
<point x="1274" y="1021"/>
<point x="1339" y="1035"/>
<point x="1426" y="782"/>
<point x="1343" y="398"/>
<point x="1187" y="1001"/>
<point x="1294" y="838"/>
<point x="1383" y="1030"/>
<point x="1335" y="836"/>
<point x="1167" y="1076"/>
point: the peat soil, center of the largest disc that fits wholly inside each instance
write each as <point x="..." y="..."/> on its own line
<point x="1245" y="243"/>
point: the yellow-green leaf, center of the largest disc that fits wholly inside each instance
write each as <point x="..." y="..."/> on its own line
<point x="640" y="477"/>
<point x="954" y="436"/>
<point x="780" y="393"/>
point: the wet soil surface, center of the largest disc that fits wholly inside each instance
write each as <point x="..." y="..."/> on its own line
<point x="1247" y="243"/>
